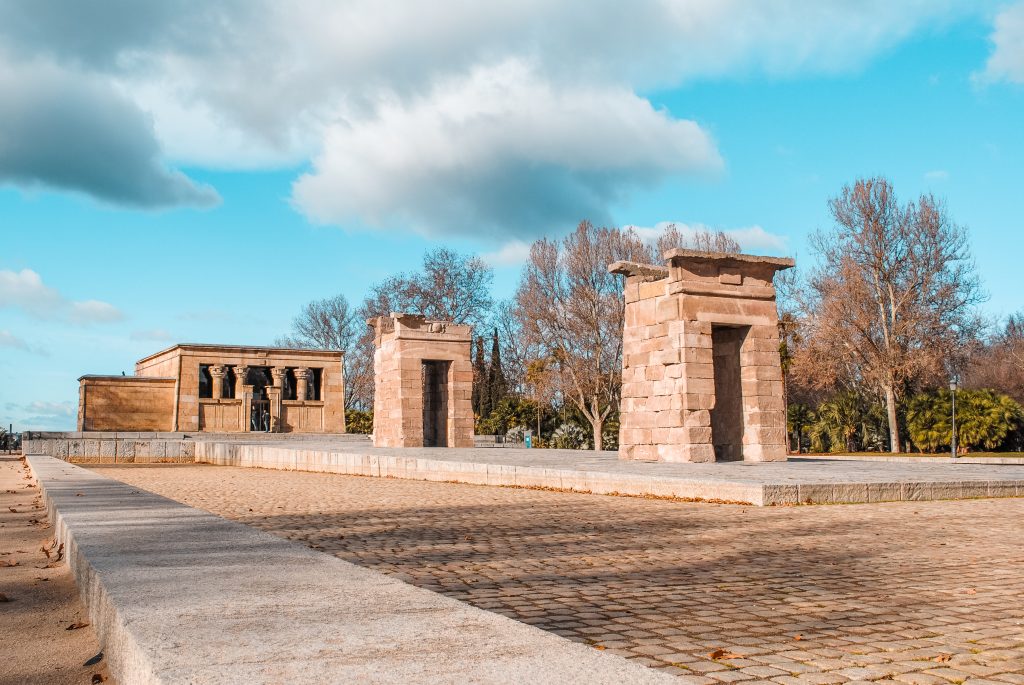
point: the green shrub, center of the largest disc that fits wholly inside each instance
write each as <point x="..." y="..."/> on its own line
<point x="984" y="420"/>
<point x="357" y="421"/>
<point x="569" y="436"/>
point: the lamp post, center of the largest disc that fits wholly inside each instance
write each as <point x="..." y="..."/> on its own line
<point x="952" y="391"/>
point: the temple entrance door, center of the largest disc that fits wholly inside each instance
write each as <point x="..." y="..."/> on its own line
<point x="435" y="403"/>
<point x="259" y="416"/>
<point x="259" y="413"/>
<point x="727" y="416"/>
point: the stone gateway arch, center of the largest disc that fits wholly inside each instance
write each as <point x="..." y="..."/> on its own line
<point x="701" y="373"/>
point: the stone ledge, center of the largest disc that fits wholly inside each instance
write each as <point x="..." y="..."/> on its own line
<point x="761" y="484"/>
<point x="180" y="595"/>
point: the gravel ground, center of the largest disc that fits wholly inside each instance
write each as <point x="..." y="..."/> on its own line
<point x="40" y="601"/>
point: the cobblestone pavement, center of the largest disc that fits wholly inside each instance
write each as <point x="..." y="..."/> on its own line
<point x="919" y="593"/>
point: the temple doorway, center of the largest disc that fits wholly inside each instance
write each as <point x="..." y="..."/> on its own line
<point x="435" y="403"/>
<point x="259" y="413"/>
<point x="727" y="414"/>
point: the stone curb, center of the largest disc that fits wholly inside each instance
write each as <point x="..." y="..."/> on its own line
<point x="178" y="595"/>
<point x="778" y="491"/>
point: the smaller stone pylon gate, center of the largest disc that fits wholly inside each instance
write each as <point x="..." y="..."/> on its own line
<point x="701" y="373"/>
<point x="423" y="382"/>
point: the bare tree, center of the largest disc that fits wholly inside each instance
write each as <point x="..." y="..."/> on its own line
<point x="705" y="240"/>
<point x="332" y="324"/>
<point x="571" y="309"/>
<point x="450" y="286"/>
<point x="891" y="300"/>
<point x="998" y="364"/>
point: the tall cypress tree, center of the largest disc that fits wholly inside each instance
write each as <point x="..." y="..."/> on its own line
<point x="481" y="397"/>
<point x="497" y="386"/>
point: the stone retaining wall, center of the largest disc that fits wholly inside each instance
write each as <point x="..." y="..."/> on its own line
<point x="96" y="447"/>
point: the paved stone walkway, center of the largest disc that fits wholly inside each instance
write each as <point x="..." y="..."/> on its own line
<point x="919" y="593"/>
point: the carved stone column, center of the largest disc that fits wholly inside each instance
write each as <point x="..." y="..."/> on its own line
<point x="241" y="371"/>
<point x="217" y="373"/>
<point x="274" y="394"/>
<point x="302" y="378"/>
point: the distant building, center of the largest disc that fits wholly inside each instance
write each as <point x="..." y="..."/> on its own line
<point x="220" y="388"/>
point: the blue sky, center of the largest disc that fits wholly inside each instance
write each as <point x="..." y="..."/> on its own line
<point x="155" y="189"/>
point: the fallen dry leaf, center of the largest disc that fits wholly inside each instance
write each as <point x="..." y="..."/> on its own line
<point x="12" y="510"/>
<point x="98" y="678"/>
<point x="722" y="654"/>
<point x="798" y="637"/>
<point x="943" y="658"/>
<point x="77" y="625"/>
<point x="600" y="647"/>
<point x="970" y="591"/>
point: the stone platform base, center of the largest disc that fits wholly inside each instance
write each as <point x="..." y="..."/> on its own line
<point x="139" y="447"/>
<point x="803" y="481"/>
<point x="179" y="595"/>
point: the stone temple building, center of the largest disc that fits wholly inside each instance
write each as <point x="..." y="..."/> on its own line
<point x="220" y="388"/>
<point x="701" y="375"/>
<point x="423" y="382"/>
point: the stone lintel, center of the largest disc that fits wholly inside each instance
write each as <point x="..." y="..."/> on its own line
<point x="418" y="327"/>
<point x="646" y="272"/>
<point x="680" y="256"/>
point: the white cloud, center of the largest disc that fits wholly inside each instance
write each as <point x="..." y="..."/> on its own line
<point x="8" y="339"/>
<point x="936" y="175"/>
<point x="753" y="239"/>
<point x="42" y="415"/>
<point x="71" y="131"/>
<point x="51" y="408"/>
<point x="512" y="253"/>
<point x="411" y="110"/>
<point x="14" y="342"/>
<point x="26" y="291"/>
<point x="502" y="152"/>
<point x="1006" y="63"/>
<point x="94" y="311"/>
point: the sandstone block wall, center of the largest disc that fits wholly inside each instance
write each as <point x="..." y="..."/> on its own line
<point x="403" y="343"/>
<point x="113" y="403"/>
<point x="672" y="400"/>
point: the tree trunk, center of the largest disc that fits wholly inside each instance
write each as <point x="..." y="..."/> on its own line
<point x="598" y="424"/>
<point x="894" y="429"/>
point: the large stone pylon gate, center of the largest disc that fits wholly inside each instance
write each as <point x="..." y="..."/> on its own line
<point x="423" y="383"/>
<point x="701" y="374"/>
